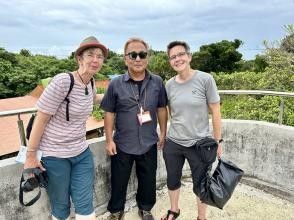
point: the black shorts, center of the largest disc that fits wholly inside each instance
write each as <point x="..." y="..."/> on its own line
<point x="174" y="156"/>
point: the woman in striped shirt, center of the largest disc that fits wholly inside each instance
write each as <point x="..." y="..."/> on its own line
<point x="59" y="131"/>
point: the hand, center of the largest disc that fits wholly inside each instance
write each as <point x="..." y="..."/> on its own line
<point x="111" y="148"/>
<point x="32" y="161"/>
<point x="161" y="141"/>
<point x="219" y="151"/>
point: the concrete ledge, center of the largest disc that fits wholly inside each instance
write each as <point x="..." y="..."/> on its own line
<point x="269" y="188"/>
<point x="263" y="150"/>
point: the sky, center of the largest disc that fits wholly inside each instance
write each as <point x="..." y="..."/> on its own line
<point x="56" y="28"/>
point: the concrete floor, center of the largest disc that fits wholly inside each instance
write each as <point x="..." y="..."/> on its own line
<point x="246" y="203"/>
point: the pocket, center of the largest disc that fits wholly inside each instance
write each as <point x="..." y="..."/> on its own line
<point x="207" y="148"/>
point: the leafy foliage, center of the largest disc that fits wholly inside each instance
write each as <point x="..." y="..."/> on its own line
<point x="218" y="57"/>
<point x="273" y="70"/>
<point x="261" y="108"/>
<point x="277" y="76"/>
<point x="287" y="43"/>
<point x="159" y="64"/>
<point x="97" y="112"/>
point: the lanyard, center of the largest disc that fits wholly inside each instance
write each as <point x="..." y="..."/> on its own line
<point x="145" y="95"/>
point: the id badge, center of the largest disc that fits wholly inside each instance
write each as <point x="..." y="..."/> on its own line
<point x="144" y="117"/>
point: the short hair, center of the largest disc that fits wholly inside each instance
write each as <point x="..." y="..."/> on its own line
<point x="178" y="43"/>
<point x="135" y="39"/>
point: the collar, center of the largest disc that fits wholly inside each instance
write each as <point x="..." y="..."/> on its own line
<point x="126" y="76"/>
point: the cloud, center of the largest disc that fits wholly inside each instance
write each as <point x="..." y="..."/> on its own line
<point x="63" y="23"/>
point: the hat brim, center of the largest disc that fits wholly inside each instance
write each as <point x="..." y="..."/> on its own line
<point x="94" y="45"/>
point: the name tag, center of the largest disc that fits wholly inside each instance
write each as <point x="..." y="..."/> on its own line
<point x="144" y="117"/>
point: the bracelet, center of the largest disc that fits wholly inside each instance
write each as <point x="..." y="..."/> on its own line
<point x="31" y="150"/>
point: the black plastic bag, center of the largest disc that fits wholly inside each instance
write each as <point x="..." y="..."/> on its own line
<point x="217" y="189"/>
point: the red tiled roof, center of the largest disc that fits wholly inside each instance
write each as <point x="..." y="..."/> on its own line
<point x="102" y="84"/>
<point x="9" y="136"/>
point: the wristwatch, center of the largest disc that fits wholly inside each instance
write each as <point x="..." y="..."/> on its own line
<point x="219" y="140"/>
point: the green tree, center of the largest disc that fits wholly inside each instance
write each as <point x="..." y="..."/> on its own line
<point x="158" y="63"/>
<point x="257" y="65"/>
<point x="5" y="55"/>
<point x="25" y="52"/>
<point x="287" y="43"/>
<point x="279" y="75"/>
<point x="106" y="70"/>
<point x="260" y="63"/>
<point x="218" y="57"/>
<point x="5" y="73"/>
<point x="246" y="65"/>
<point x="117" y="64"/>
<point x="111" y="54"/>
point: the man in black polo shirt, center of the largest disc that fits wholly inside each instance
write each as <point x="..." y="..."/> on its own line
<point x="134" y="101"/>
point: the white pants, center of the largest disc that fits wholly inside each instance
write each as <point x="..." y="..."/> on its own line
<point x="92" y="216"/>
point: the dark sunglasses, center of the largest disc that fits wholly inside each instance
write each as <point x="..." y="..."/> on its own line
<point x="133" y="55"/>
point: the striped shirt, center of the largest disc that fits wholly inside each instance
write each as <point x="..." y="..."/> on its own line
<point x="63" y="138"/>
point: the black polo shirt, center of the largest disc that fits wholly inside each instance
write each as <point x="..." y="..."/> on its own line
<point x="122" y="98"/>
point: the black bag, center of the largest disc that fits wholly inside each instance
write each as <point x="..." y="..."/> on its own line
<point x="207" y="148"/>
<point x="217" y="189"/>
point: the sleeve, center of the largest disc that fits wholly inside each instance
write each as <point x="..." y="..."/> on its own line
<point x="168" y="90"/>
<point x="109" y="99"/>
<point x="211" y="91"/>
<point x="162" y="98"/>
<point x="53" y="95"/>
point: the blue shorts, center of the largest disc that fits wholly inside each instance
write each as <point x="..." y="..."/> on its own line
<point x="70" y="178"/>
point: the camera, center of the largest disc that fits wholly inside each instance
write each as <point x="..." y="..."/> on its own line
<point x="39" y="179"/>
<point x="36" y="179"/>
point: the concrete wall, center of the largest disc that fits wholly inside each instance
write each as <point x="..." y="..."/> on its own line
<point x="263" y="150"/>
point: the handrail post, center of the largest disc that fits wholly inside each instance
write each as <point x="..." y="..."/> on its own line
<point x="281" y="113"/>
<point x="21" y="131"/>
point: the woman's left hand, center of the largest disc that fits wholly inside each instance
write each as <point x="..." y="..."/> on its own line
<point x="160" y="143"/>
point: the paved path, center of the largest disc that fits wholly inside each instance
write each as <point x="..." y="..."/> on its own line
<point x="247" y="203"/>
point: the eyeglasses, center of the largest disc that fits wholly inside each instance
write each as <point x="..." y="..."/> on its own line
<point x="173" y="57"/>
<point x="92" y="56"/>
<point x="133" y="55"/>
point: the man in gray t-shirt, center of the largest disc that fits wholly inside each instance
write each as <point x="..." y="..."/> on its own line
<point x="188" y="107"/>
<point x="192" y="94"/>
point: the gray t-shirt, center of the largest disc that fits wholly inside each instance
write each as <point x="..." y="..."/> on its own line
<point x="188" y="104"/>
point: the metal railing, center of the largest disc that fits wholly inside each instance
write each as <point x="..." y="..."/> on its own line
<point x="256" y="92"/>
<point x="20" y="125"/>
<point x="18" y="112"/>
<point x="261" y="92"/>
<point x="225" y="92"/>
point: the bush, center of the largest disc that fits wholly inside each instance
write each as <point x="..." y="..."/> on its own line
<point x="97" y="112"/>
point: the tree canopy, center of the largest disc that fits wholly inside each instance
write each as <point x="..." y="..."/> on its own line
<point x="218" y="57"/>
<point x="272" y="70"/>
